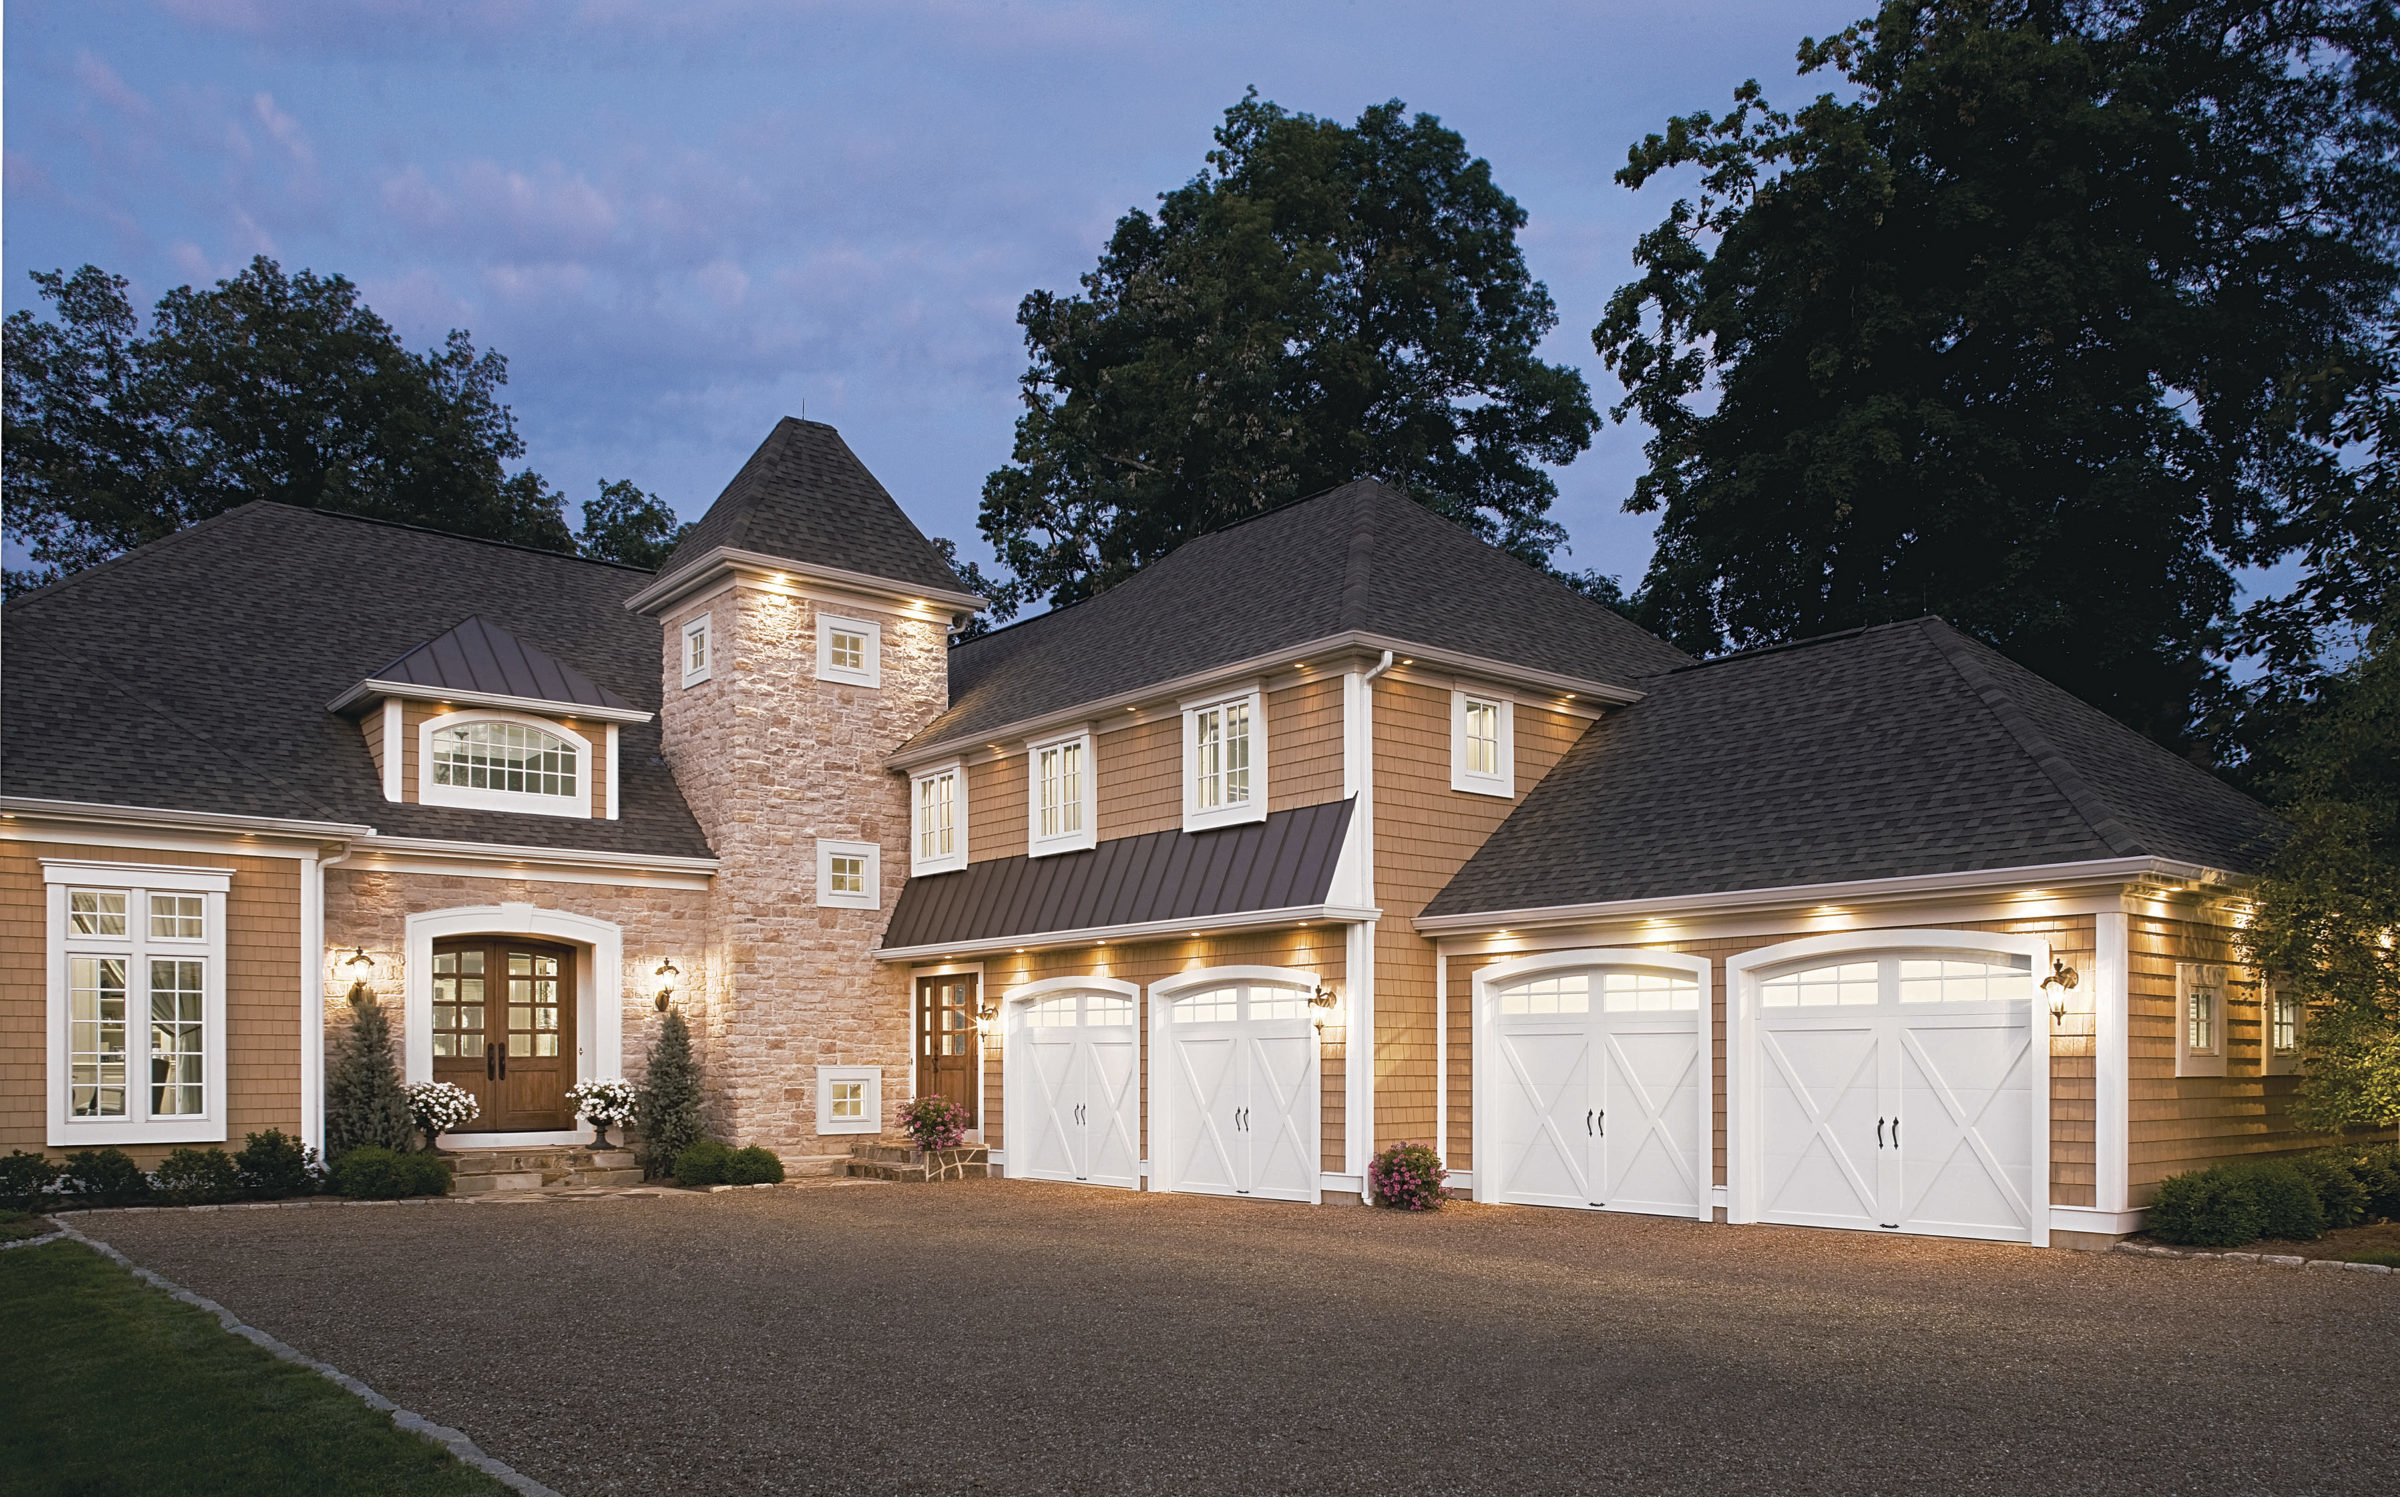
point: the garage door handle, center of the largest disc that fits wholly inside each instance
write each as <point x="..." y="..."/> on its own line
<point x="1895" y="1133"/>
<point x="1587" y="1122"/>
<point x="1604" y="1122"/>
<point x="1879" y="1133"/>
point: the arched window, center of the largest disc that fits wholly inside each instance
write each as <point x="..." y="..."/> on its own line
<point x="505" y="763"/>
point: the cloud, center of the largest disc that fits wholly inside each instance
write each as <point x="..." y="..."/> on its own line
<point x="543" y="213"/>
<point x="101" y="82"/>
<point x="283" y="129"/>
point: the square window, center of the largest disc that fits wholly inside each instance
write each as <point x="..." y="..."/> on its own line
<point x="849" y="651"/>
<point x="937" y="820"/>
<point x="1061" y="796"/>
<point x="849" y="1099"/>
<point x="177" y="917"/>
<point x="1225" y="762"/>
<point x="96" y="912"/>
<point x="849" y="874"/>
<point x="1483" y="745"/>
<point x="697" y="657"/>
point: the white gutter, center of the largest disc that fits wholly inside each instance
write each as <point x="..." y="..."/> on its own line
<point x="686" y="579"/>
<point x="19" y="805"/>
<point x="1093" y="935"/>
<point x="410" y="691"/>
<point x="914" y="755"/>
<point x="2040" y="876"/>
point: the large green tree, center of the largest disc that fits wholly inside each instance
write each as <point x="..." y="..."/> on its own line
<point x="2057" y="313"/>
<point x="1323" y="301"/>
<point x="265" y="386"/>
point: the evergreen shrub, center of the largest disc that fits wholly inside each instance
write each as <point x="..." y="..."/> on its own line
<point x="196" y="1177"/>
<point x="27" y="1180"/>
<point x="104" y="1177"/>
<point x="372" y="1173"/>
<point x="273" y="1164"/>
<point x="365" y="1105"/>
<point x="753" y="1166"/>
<point x="667" y="1107"/>
<point x="704" y="1163"/>
<point x="2340" y="1195"/>
<point x="2287" y="1200"/>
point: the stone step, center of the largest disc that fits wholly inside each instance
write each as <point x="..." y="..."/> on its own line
<point x="604" y="1177"/>
<point x="915" y="1166"/>
<point x="484" y="1184"/>
<point x="814" y="1166"/>
<point x="505" y="1161"/>
<point x="610" y="1159"/>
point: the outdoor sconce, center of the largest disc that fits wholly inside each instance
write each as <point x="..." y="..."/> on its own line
<point x="1324" y="1000"/>
<point x="2063" y="978"/>
<point x="983" y="1020"/>
<point x="360" y="967"/>
<point x="666" y="976"/>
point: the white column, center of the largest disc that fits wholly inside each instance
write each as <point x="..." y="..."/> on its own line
<point x="312" y="995"/>
<point x="394" y="752"/>
<point x="1358" y="1069"/>
<point x="1441" y="1052"/>
<point x="2112" y="1063"/>
<point x="612" y="773"/>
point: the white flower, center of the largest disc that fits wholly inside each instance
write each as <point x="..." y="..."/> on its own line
<point x="439" y="1107"/>
<point x="603" y="1103"/>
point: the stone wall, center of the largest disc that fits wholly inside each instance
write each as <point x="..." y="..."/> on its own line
<point x="770" y="759"/>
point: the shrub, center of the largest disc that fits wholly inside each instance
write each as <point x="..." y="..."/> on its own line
<point x="274" y="1163"/>
<point x="2342" y="1198"/>
<point x="27" y="1180"/>
<point x="753" y="1166"/>
<point x="704" y="1163"/>
<point x="935" y="1122"/>
<point x="2205" y="1208"/>
<point x="196" y="1177"/>
<point x="104" y="1177"/>
<point x="365" y="1106"/>
<point x="1407" y="1177"/>
<point x="667" y="1107"/>
<point x="2376" y="1168"/>
<point x="2287" y="1200"/>
<point x="370" y="1173"/>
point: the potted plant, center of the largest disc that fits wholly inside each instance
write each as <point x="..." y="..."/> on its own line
<point x="437" y="1107"/>
<point x="604" y="1105"/>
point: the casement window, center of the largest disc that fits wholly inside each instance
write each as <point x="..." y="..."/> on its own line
<point x="698" y="660"/>
<point x="849" y="651"/>
<point x="504" y="761"/>
<point x="849" y="1099"/>
<point x="2199" y="1019"/>
<point x="136" y="1003"/>
<point x="937" y="838"/>
<point x="1483" y="744"/>
<point x="1062" y="799"/>
<point x="849" y="874"/>
<point x="1224" y="761"/>
<point x="2287" y="1023"/>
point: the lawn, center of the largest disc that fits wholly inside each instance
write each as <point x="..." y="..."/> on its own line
<point x="112" y="1387"/>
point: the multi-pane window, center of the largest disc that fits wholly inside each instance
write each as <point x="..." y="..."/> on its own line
<point x="848" y="874"/>
<point x="1482" y="744"/>
<point x="2200" y="1015"/>
<point x="1223" y="763"/>
<point x="532" y="1004"/>
<point x="849" y="1101"/>
<point x="136" y="978"/>
<point x="847" y="651"/>
<point x="458" y="1004"/>
<point x="1061" y="795"/>
<point x="2283" y="1021"/>
<point x="696" y="654"/>
<point x="1908" y="980"/>
<point x="938" y="840"/>
<point x="1483" y="737"/>
<point x="513" y="758"/>
<point x="2200" y="1019"/>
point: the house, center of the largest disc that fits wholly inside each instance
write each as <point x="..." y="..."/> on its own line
<point x="1336" y="827"/>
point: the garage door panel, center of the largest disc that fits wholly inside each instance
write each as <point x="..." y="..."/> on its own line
<point x="1545" y="1128"/>
<point x="1818" y="1110"/>
<point x="1650" y="1131"/>
<point x="1966" y="1105"/>
<point x="1238" y="1110"/>
<point x="1207" y="1069"/>
<point x="1113" y="1138"/>
<point x="1281" y="1124"/>
<point x="1048" y="1108"/>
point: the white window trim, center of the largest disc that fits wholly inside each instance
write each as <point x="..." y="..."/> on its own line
<point x="2271" y="1061"/>
<point x="871" y="673"/>
<point x="2191" y="976"/>
<point x="827" y="850"/>
<point x="579" y="806"/>
<point x="139" y="881"/>
<point x="708" y="652"/>
<point x="872" y="1076"/>
<point x="1503" y="783"/>
<point x="1087" y="835"/>
<point x="957" y="858"/>
<point x="1195" y="819"/>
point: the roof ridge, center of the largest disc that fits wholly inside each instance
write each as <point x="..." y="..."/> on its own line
<point x="2036" y="744"/>
<point x="1358" y="567"/>
<point x="154" y="708"/>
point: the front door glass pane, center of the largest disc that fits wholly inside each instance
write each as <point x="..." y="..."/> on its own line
<point x="458" y="1004"/>
<point x="532" y="1004"/>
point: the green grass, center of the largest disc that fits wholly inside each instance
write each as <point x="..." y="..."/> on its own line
<point x="111" y="1387"/>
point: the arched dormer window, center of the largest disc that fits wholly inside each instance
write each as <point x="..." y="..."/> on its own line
<point x="504" y="761"/>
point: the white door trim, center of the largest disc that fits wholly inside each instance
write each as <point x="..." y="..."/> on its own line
<point x="1162" y="995"/>
<point x="1484" y="1083"/>
<point x="1744" y="973"/>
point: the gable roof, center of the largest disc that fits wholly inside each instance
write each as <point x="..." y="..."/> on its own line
<point x="478" y="657"/>
<point x="1363" y="557"/>
<point x="1891" y="752"/>
<point x="804" y="496"/>
<point x="193" y="674"/>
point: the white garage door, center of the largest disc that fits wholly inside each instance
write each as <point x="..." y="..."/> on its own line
<point x="1236" y="1109"/>
<point x="1598" y="1092"/>
<point x="1897" y="1091"/>
<point x="1069" y="1072"/>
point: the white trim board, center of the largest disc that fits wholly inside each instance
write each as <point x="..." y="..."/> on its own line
<point x="1148" y="930"/>
<point x="760" y="569"/>
<point x="410" y="691"/>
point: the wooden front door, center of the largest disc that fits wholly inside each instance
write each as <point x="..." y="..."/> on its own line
<point x="504" y="1030"/>
<point x="949" y="1051"/>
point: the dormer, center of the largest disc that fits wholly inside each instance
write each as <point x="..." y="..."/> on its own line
<point x="477" y="718"/>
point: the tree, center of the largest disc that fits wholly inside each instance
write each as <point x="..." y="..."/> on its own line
<point x="1001" y="607"/>
<point x="2069" y="307"/>
<point x="264" y="387"/>
<point x="668" y="1105"/>
<point x="1320" y="303"/>
<point x="624" y="524"/>
<point x="365" y="1105"/>
<point x="2326" y="919"/>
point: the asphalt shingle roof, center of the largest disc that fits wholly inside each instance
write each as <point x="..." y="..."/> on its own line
<point x="193" y="674"/>
<point x="1361" y="557"/>
<point x="805" y="496"/>
<point x="479" y="655"/>
<point x="1897" y="751"/>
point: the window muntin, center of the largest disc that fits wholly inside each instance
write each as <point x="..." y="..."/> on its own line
<point x="511" y="758"/>
<point x="847" y="651"/>
<point x="1568" y="994"/>
<point x="849" y="1101"/>
<point x="698" y="661"/>
<point x="1210" y="1006"/>
<point x="532" y="1004"/>
<point x="96" y="1036"/>
<point x="937" y="821"/>
<point x="1901" y="979"/>
<point x="847" y="874"/>
<point x="1483" y="737"/>
<point x="458" y="995"/>
<point x="1058" y="771"/>
<point x="2283" y="1021"/>
<point x="2200" y="1020"/>
<point x="137" y="1003"/>
<point x="178" y="1030"/>
<point x="1236" y="1001"/>
<point x="96" y="912"/>
<point x="178" y="917"/>
<point x="1224" y="762"/>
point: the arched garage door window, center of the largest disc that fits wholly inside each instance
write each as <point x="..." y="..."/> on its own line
<point x="1894" y="1082"/>
<point x="1592" y="1082"/>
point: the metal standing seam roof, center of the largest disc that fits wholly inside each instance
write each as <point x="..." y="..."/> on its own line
<point x="1284" y="862"/>
<point x="481" y="656"/>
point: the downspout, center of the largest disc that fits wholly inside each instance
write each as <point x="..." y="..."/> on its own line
<point x="312" y="995"/>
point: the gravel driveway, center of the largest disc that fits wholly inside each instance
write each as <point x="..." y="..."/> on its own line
<point x="1012" y="1337"/>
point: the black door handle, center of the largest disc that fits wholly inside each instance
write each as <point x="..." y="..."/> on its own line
<point x="487" y="1062"/>
<point x="1879" y="1133"/>
<point x="1895" y="1133"/>
<point x="1604" y="1122"/>
<point x="1587" y="1122"/>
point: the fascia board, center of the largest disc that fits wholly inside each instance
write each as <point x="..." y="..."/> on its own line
<point x="2049" y="876"/>
<point x="92" y="811"/>
<point x="410" y="691"/>
<point x="664" y="592"/>
<point x="1146" y="930"/>
<point x="1179" y="688"/>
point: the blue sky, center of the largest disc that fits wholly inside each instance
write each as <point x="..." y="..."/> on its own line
<point x="682" y="221"/>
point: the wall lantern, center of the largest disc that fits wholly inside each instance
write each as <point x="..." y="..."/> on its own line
<point x="1324" y="1000"/>
<point x="983" y="1020"/>
<point x="360" y="966"/>
<point x="2063" y="978"/>
<point x="666" y="976"/>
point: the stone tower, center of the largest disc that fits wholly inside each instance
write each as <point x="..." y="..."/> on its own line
<point x="804" y="632"/>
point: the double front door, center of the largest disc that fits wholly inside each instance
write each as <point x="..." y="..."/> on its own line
<point x="504" y="1030"/>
